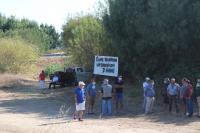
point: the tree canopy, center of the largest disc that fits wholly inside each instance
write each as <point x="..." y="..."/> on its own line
<point x="44" y="37"/>
<point x="156" y="37"/>
<point x="84" y="37"/>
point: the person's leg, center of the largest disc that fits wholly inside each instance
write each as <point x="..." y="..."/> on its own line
<point x="176" y="104"/>
<point x="40" y="84"/>
<point x="50" y="85"/>
<point x="187" y="106"/>
<point x="190" y="107"/>
<point x="117" y="101"/>
<point x="198" y="101"/>
<point x="148" y="103"/>
<point x="54" y="85"/>
<point x="170" y="103"/>
<point x="121" y="101"/>
<point x="43" y="84"/>
<point x="103" y="107"/>
<point x="152" y="103"/>
<point x="109" y="104"/>
<point x="81" y="115"/>
<point x="89" y="105"/>
<point x="92" y="104"/>
<point x="144" y="103"/>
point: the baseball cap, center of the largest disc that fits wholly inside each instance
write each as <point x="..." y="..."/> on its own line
<point x="81" y="83"/>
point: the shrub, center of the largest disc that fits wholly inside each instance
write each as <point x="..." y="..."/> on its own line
<point x="17" y="56"/>
<point x="52" y="68"/>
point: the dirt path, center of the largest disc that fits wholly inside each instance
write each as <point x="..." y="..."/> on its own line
<point x="25" y="109"/>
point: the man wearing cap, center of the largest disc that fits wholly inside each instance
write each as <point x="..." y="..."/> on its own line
<point x="173" y="92"/>
<point x="80" y="100"/>
<point x="106" y="94"/>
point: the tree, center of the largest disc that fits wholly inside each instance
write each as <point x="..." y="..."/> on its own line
<point x="157" y="36"/>
<point x="84" y="37"/>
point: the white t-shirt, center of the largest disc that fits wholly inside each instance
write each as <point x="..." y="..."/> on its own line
<point x="55" y="79"/>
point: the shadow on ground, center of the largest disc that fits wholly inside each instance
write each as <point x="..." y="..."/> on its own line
<point x="59" y="103"/>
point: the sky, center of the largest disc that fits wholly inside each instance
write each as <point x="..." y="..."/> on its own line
<point x="52" y="12"/>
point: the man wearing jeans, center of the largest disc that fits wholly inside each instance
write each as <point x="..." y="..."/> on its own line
<point x="173" y="91"/>
<point x="106" y="94"/>
<point x="188" y="96"/>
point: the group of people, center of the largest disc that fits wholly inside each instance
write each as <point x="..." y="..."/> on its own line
<point x="53" y="82"/>
<point x="178" y="95"/>
<point x="106" y="94"/>
<point x="181" y="96"/>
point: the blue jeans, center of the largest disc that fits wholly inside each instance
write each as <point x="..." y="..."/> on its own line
<point x="189" y="106"/>
<point x="106" y="107"/>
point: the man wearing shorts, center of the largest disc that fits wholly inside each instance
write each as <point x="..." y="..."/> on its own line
<point x="80" y="100"/>
<point x="91" y="91"/>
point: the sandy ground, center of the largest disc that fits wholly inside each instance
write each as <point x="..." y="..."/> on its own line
<point x="26" y="109"/>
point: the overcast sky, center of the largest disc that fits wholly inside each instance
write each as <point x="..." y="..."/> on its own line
<point x="54" y="12"/>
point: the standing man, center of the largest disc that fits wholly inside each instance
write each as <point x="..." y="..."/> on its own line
<point x="188" y="97"/>
<point x="106" y="94"/>
<point x="183" y="88"/>
<point x="198" y="95"/>
<point x="80" y="100"/>
<point x="91" y="91"/>
<point x="150" y="96"/>
<point x="164" y="91"/>
<point x="145" y="85"/>
<point x="119" y="92"/>
<point x="173" y="92"/>
<point x="42" y="80"/>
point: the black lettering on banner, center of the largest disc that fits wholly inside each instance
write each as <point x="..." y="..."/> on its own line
<point x="103" y="70"/>
<point x="110" y="70"/>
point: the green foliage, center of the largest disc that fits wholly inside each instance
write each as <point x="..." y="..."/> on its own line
<point x="53" y="36"/>
<point x="16" y="55"/>
<point x="159" y="37"/>
<point x="84" y="37"/>
<point x="44" y="37"/>
<point x="52" y="68"/>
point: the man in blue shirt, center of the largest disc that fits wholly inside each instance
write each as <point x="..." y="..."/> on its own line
<point x="91" y="91"/>
<point x="80" y="99"/>
<point x="173" y="92"/>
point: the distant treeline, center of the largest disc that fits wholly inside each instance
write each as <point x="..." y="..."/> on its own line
<point x="21" y="43"/>
<point x="155" y="38"/>
<point x="43" y="36"/>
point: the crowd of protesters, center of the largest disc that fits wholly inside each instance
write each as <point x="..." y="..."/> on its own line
<point x="175" y="96"/>
<point x="181" y="95"/>
<point x="107" y="93"/>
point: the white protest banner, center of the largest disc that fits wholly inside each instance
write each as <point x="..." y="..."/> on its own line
<point x="106" y="65"/>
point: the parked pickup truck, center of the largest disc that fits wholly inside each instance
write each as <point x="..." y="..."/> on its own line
<point x="71" y="75"/>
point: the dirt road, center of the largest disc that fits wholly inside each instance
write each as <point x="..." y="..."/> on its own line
<point x="25" y="109"/>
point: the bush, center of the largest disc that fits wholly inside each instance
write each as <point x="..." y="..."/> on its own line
<point x="17" y="56"/>
<point x="52" y="68"/>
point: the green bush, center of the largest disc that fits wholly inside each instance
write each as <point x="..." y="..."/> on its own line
<point x="17" y="56"/>
<point x="52" y="68"/>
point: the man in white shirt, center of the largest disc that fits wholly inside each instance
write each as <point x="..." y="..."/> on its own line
<point x="54" y="80"/>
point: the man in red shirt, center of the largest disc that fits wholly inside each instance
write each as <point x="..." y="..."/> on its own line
<point x="42" y="80"/>
<point x="188" y="96"/>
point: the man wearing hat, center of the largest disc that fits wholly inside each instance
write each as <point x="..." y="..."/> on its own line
<point x="80" y="100"/>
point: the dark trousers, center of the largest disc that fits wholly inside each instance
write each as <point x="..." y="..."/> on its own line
<point x="189" y="106"/>
<point x="173" y="99"/>
<point x="54" y="85"/>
